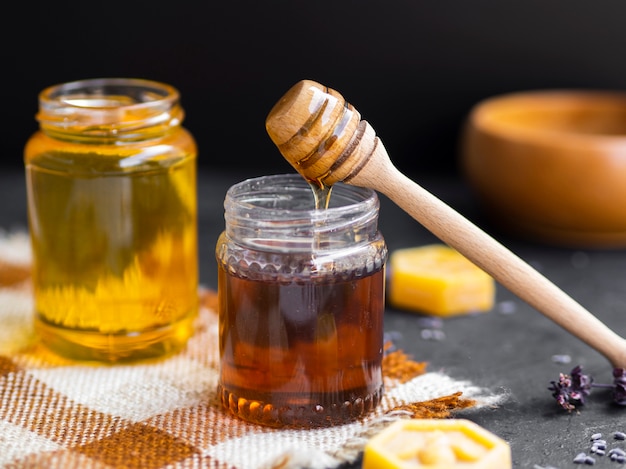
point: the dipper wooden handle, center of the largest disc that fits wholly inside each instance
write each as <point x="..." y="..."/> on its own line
<point x="325" y="140"/>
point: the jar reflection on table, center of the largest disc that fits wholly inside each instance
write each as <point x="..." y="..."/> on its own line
<point x="301" y="303"/>
<point x="112" y="213"/>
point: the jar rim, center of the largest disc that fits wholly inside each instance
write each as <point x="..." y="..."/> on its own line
<point x="259" y="218"/>
<point x="104" y="105"/>
<point x="259" y="194"/>
<point x="277" y="213"/>
<point x="98" y="86"/>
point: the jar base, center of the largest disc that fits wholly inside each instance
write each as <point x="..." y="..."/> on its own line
<point x="89" y="345"/>
<point x="315" y="412"/>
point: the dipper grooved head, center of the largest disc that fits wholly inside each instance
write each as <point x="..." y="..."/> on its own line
<point x="319" y="133"/>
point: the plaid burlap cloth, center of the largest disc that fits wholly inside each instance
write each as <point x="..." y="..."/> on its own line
<point x="58" y="414"/>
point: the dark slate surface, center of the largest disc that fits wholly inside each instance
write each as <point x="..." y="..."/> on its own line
<point x="508" y="350"/>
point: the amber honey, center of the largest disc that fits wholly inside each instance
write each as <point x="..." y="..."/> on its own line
<point x="301" y="305"/>
<point x="112" y="216"/>
<point x="305" y="353"/>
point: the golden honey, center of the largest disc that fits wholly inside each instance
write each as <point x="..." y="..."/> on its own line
<point x="111" y="182"/>
<point x="301" y="303"/>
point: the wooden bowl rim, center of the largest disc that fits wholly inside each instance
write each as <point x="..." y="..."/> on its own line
<point x="481" y="120"/>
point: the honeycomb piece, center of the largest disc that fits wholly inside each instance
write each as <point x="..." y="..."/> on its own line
<point x="436" y="444"/>
<point x="439" y="281"/>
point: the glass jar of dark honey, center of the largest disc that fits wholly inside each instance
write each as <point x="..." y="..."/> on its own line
<point x="301" y="303"/>
<point x="111" y="182"/>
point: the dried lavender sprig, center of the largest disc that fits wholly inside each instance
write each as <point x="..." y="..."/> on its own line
<point x="619" y="381"/>
<point x="571" y="390"/>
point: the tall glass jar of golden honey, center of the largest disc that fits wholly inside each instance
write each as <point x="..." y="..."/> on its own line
<point x="301" y="303"/>
<point x="111" y="187"/>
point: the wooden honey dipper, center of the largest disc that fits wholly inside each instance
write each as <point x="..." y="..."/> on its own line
<point x="324" y="139"/>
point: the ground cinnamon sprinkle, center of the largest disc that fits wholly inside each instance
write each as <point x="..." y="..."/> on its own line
<point x="439" y="408"/>
<point x="398" y="365"/>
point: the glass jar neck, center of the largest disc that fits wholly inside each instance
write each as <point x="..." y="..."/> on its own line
<point x="109" y="108"/>
<point x="277" y="214"/>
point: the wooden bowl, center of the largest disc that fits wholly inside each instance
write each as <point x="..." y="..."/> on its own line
<point x="551" y="165"/>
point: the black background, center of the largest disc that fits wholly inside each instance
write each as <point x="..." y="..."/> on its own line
<point x="412" y="68"/>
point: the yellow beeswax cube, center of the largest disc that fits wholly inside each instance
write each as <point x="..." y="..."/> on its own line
<point x="436" y="444"/>
<point x="438" y="280"/>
